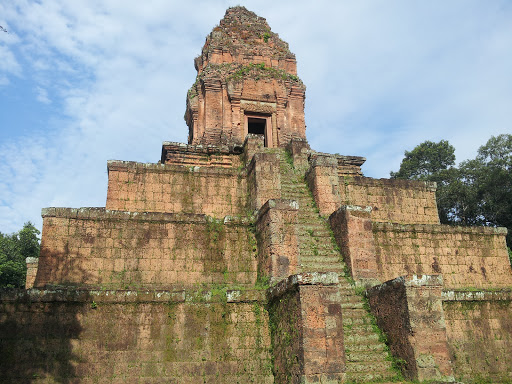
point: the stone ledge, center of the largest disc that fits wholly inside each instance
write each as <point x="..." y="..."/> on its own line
<point x="437" y="228"/>
<point x="341" y="159"/>
<point x="230" y="149"/>
<point x="95" y="213"/>
<point x="411" y="281"/>
<point x="281" y="204"/>
<point x="81" y="295"/>
<point x="478" y="295"/>
<point x="424" y="281"/>
<point x="392" y="183"/>
<point x="356" y="208"/>
<point x="310" y="278"/>
<point x="133" y="166"/>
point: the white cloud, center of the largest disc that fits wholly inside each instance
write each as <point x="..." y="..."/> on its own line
<point x="8" y="63"/>
<point x="42" y="96"/>
<point x="381" y="76"/>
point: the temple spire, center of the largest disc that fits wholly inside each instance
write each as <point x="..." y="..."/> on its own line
<point x="246" y="83"/>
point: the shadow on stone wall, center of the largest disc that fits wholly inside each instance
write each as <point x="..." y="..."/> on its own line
<point x="37" y="333"/>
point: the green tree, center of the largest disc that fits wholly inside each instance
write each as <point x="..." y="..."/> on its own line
<point x="490" y="175"/>
<point x="478" y="192"/>
<point x="426" y="160"/>
<point x="14" y="249"/>
<point x="434" y="162"/>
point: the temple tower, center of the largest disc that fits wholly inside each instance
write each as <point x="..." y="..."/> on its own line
<point x="246" y="83"/>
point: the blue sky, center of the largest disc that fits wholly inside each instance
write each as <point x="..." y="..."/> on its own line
<point x="82" y="82"/>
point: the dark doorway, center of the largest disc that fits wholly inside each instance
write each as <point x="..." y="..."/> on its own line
<point x="256" y="126"/>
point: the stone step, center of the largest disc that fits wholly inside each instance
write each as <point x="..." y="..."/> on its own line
<point x="316" y="268"/>
<point x="357" y="314"/>
<point x="307" y="233"/>
<point x="359" y="356"/>
<point x="346" y="287"/>
<point x="382" y="366"/>
<point x="361" y="338"/>
<point x="353" y="321"/>
<point x="311" y="223"/>
<point x="317" y="242"/>
<point x="324" y="243"/>
<point x="293" y="187"/>
<point x="315" y="232"/>
<point x="327" y="258"/>
<point x="319" y="235"/>
<point x="358" y="327"/>
<point x="352" y="305"/>
<point x="368" y="377"/>
<point x="307" y="241"/>
<point x="320" y="266"/>
<point x="377" y="347"/>
<point x="350" y="298"/>
<point x="321" y="256"/>
<point x="316" y="228"/>
<point x="298" y="195"/>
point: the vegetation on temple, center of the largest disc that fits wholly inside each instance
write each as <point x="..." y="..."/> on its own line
<point x="477" y="192"/>
<point x="233" y="72"/>
<point x="14" y="249"/>
<point x="242" y="30"/>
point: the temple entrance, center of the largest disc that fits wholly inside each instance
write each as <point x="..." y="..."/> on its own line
<point x="260" y="125"/>
<point x="256" y="126"/>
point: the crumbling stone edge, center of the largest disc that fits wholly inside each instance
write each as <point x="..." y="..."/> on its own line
<point x="309" y="278"/>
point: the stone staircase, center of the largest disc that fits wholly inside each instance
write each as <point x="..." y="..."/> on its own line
<point x="367" y="357"/>
<point x="317" y="251"/>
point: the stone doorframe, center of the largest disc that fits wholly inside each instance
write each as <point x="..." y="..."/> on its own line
<point x="260" y="110"/>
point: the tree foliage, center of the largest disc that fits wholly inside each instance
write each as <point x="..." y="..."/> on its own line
<point x="426" y="161"/>
<point x="478" y="192"/>
<point x="431" y="161"/>
<point x="14" y="249"/>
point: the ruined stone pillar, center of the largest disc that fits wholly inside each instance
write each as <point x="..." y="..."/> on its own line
<point x="277" y="239"/>
<point x="32" y="263"/>
<point x="299" y="149"/>
<point x="409" y="310"/>
<point x="323" y="181"/>
<point x="352" y="227"/>
<point x="214" y="111"/>
<point x="252" y="144"/>
<point x="307" y="330"/>
<point x="263" y="178"/>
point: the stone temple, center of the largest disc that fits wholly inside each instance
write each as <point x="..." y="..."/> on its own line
<point x="245" y="256"/>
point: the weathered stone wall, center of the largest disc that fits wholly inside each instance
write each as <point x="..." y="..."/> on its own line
<point x="334" y="182"/>
<point x="276" y="234"/>
<point x="286" y="332"/>
<point x="323" y="181"/>
<point x="396" y="201"/>
<point x="466" y="257"/>
<point x="307" y="329"/>
<point x="200" y="155"/>
<point x="352" y="229"/>
<point x="263" y="179"/>
<point x="479" y="329"/>
<point x="94" y="247"/>
<point x="130" y="336"/>
<point x="139" y="187"/>
<point x="409" y="310"/>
